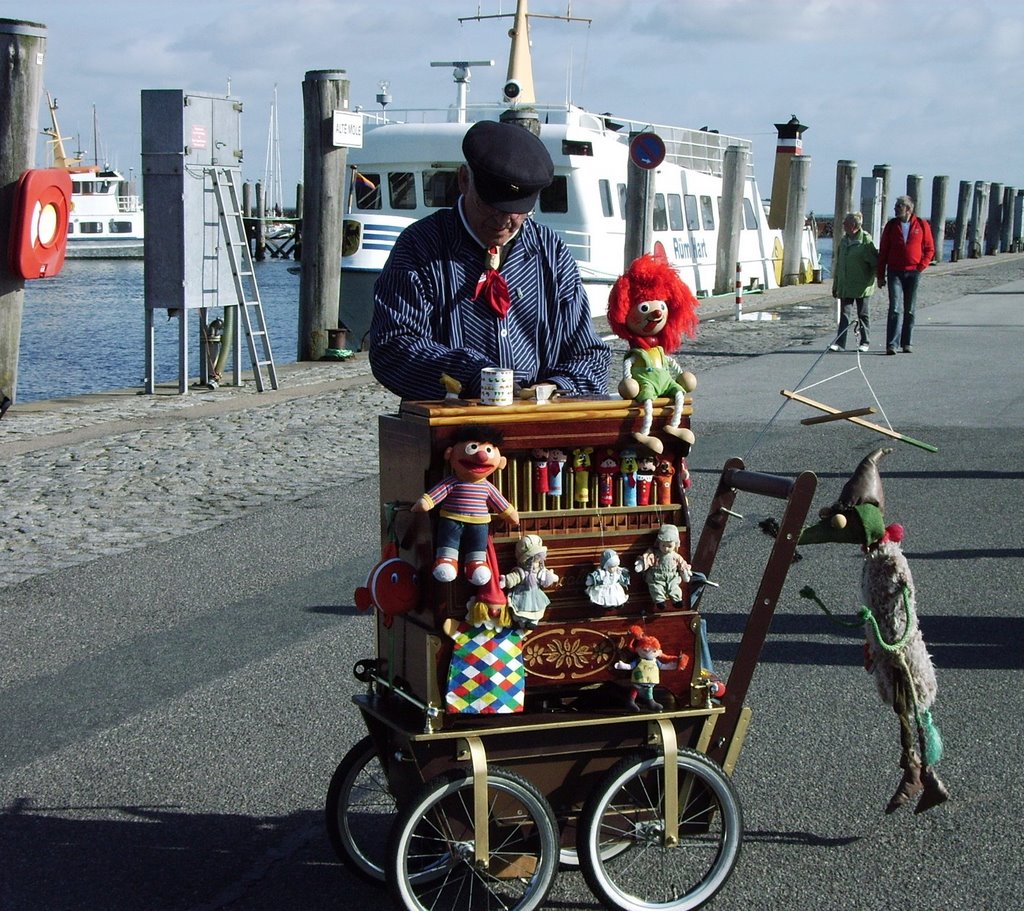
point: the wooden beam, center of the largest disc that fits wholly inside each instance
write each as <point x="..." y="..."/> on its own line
<point x="878" y="428"/>
<point x="839" y="416"/>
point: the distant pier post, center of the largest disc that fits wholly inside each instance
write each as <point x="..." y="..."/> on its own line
<point x="846" y="177"/>
<point x="1009" y="194"/>
<point x="871" y="206"/>
<point x="735" y="162"/>
<point x="884" y="173"/>
<point x="297" y="252"/>
<point x="23" y="49"/>
<point x="790" y="145"/>
<point x="792" y="234"/>
<point x="915" y="188"/>
<point x="976" y="226"/>
<point x="937" y="219"/>
<point x="963" y="215"/>
<point x="323" y="93"/>
<point x="995" y="218"/>
<point x="261" y="223"/>
<point x="1018" y="218"/>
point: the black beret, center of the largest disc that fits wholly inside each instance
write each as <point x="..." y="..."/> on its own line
<point x="510" y="165"/>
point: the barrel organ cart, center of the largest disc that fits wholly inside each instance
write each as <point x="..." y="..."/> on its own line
<point x="477" y="809"/>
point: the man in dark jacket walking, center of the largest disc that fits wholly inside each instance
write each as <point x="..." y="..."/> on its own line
<point x="905" y="250"/>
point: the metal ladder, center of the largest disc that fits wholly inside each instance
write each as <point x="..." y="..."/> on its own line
<point x="247" y="292"/>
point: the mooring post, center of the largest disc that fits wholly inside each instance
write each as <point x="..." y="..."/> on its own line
<point x="846" y="177"/>
<point x="937" y="219"/>
<point x="995" y="218"/>
<point x="323" y="93"/>
<point x="261" y="224"/>
<point x="1009" y="194"/>
<point x="915" y="185"/>
<point x="792" y="234"/>
<point x="735" y="163"/>
<point x="883" y="171"/>
<point x="22" y="48"/>
<point x="963" y="214"/>
<point x="979" y="209"/>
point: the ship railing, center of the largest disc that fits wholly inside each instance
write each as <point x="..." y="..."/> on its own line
<point x="127" y="204"/>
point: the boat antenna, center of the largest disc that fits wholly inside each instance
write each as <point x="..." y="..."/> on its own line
<point x="518" y="89"/>
<point x="461" y="74"/>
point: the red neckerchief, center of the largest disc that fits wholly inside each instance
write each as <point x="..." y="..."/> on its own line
<point x="492" y="284"/>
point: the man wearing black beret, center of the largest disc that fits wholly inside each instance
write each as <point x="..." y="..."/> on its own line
<point x="483" y="285"/>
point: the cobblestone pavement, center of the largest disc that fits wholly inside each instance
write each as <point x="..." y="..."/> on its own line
<point x="102" y="474"/>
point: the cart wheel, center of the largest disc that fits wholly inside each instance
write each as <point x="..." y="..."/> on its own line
<point x="627" y="808"/>
<point x="431" y="862"/>
<point x="360" y="811"/>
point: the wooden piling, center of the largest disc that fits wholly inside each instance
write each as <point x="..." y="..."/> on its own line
<point x="976" y="227"/>
<point x="995" y="218"/>
<point x="846" y="175"/>
<point x="735" y="163"/>
<point x="23" y="50"/>
<point x="871" y="206"/>
<point x="963" y="213"/>
<point x="799" y="169"/>
<point x="884" y="172"/>
<point x="261" y="224"/>
<point x="323" y="93"/>
<point x="937" y="219"/>
<point x="1018" y="218"/>
<point x="297" y="250"/>
<point x="1006" y="212"/>
<point x="915" y="187"/>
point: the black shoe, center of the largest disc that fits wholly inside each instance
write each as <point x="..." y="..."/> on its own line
<point x="907" y="349"/>
<point x="890" y="350"/>
<point x="5" y="403"/>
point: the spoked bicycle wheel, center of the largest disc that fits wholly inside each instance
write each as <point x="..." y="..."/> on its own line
<point x="432" y="864"/>
<point x="360" y="811"/>
<point x="628" y="810"/>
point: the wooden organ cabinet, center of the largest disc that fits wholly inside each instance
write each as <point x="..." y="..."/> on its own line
<point x="575" y="647"/>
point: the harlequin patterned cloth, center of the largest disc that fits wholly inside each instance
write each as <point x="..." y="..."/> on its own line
<point x="486" y="674"/>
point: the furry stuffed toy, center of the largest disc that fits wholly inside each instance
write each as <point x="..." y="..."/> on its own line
<point x="652" y="308"/>
<point x="895" y="651"/>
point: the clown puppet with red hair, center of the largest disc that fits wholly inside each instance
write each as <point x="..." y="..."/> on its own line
<point x="652" y="309"/>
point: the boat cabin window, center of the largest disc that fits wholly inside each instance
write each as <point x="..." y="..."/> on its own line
<point x="675" y="212"/>
<point x="622" y="200"/>
<point x="555" y="198"/>
<point x="660" y="222"/>
<point x="707" y="213"/>
<point x="749" y="216"/>
<point x="367" y="190"/>
<point x="402" y="190"/>
<point x="90" y="227"/>
<point x="692" y="219"/>
<point x="120" y="227"/>
<point x="604" y="187"/>
<point x="577" y="147"/>
<point x="440" y="189"/>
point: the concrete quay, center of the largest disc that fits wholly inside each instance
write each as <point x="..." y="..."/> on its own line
<point x="102" y="474"/>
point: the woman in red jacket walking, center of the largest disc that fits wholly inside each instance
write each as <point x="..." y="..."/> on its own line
<point x="905" y="250"/>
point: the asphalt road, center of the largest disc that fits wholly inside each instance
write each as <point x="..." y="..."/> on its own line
<point x="172" y="744"/>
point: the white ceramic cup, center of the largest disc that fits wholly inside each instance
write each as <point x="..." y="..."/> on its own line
<point x="496" y="386"/>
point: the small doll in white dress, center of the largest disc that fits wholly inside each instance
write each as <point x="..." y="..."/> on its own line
<point x="525" y="583"/>
<point x="606" y="586"/>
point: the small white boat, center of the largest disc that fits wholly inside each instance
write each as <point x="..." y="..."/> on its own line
<point x="409" y="159"/>
<point x="106" y="219"/>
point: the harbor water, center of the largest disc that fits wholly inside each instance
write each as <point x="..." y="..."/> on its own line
<point x="84" y="330"/>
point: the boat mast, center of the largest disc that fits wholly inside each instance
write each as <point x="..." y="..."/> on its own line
<point x="58" y="152"/>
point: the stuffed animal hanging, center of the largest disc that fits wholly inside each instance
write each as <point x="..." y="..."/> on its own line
<point x="664" y="569"/>
<point x="607" y="585"/>
<point x="652" y="308"/>
<point x="525" y="583"/>
<point x="895" y="650"/>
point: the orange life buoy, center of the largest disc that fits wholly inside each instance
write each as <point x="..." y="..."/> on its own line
<point x="39" y="223"/>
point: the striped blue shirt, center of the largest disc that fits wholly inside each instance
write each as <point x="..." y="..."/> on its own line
<point x="425" y="321"/>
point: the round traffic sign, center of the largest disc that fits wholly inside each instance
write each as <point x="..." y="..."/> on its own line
<point x="647" y="150"/>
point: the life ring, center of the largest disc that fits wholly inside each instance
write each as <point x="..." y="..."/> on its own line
<point x="39" y="223"/>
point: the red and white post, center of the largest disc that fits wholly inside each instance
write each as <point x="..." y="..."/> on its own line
<point x="739" y="292"/>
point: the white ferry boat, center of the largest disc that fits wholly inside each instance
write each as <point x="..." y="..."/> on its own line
<point x="106" y="219"/>
<point x="407" y="167"/>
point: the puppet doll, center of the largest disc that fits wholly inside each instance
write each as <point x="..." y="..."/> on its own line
<point x="652" y="308"/>
<point x="581" y="470"/>
<point x="664" y="569"/>
<point x="627" y="469"/>
<point x="663" y="475"/>
<point x="606" y="586"/>
<point x="556" y="471"/>
<point x="540" y="460"/>
<point x="607" y="468"/>
<point x="466" y="499"/>
<point x="896" y="654"/>
<point x="645" y="479"/>
<point x="525" y="583"/>
<point x="646" y="669"/>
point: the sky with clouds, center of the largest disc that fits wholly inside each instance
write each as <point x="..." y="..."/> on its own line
<point x="930" y="88"/>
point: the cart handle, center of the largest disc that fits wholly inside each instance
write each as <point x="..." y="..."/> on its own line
<point x="765" y="485"/>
